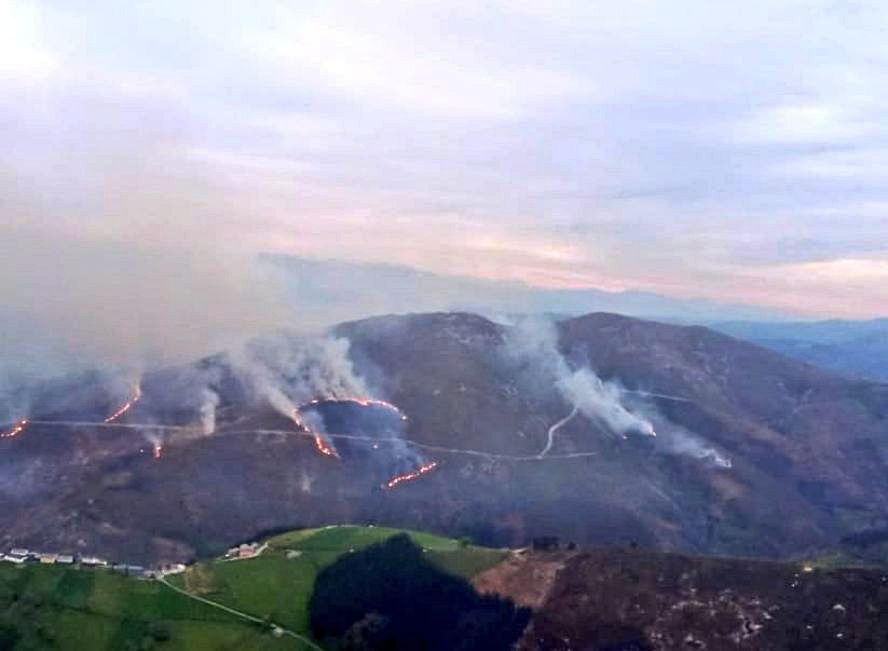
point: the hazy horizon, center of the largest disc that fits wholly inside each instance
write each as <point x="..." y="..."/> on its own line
<point x="737" y="157"/>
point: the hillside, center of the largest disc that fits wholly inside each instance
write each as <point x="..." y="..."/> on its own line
<point x="755" y="454"/>
<point x="50" y="607"/>
<point x="808" y="449"/>
<point x="644" y="601"/>
<point x="588" y="598"/>
<point x="279" y="583"/>
<point x="55" y="607"/>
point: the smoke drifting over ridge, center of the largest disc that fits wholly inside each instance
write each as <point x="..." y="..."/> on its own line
<point x="534" y="342"/>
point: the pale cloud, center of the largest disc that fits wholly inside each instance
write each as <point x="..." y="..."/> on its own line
<point x="858" y="164"/>
<point x="24" y="55"/>
<point x="701" y="151"/>
<point x="804" y="123"/>
<point x="842" y="271"/>
<point x="844" y="287"/>
<point x="385" y="69"/>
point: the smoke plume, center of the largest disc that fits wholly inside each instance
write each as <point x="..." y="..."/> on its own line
<point x="687" y="444"/>
<point x="286" y="371"/>
<point x="208" y="410"/>
<point x="675" y="439"/>
<point x="533" y="343"/>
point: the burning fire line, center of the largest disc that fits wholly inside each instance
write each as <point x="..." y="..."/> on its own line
<point x="15" y="431"/>
<point x="321" y="443"/>
<point x="363" y="402"/>
<point x="137" y="394"/>
<point x="324" y="447"/>
<point x="410" y="476"/>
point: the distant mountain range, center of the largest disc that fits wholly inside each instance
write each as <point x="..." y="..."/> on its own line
<point x="858" y="348"/>
<point x="336" y="291"/>
<point x="344" y="290"/>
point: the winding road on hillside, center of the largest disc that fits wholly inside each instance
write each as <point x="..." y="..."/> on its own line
<point x="552" y="430"/>
<point x="417" y="444"/>
<point x="542" y="456"/>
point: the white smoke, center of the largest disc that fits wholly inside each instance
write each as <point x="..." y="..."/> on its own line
<point x="534" y="342"/>
<point x="154" y="438"/>
<point x="314" y="421"/>
<point x="602" y="400"/>
<point x="675" y="439"/>
<point x="209" y="402"/>
<point x="306" y="481"/>
<point x="286" y="372"/>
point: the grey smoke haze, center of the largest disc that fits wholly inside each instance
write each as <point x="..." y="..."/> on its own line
<point x="83" y="392"/>
<point x="75" y="305"/>
<point x="535" y="341"/>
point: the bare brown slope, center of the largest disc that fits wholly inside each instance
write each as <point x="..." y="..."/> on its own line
<point x="819" y="435"/>
<point x="638" y="600"/>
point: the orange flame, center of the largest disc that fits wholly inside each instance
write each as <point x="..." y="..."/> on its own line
<point x="15" y="431"/>
<point x="324" y="447"/>
<point x="368" y="402"/>
<point x="363" y="402"/>
<point x="321" y="443"/>
<point x="410" y="476"/>
<point x="137" y="393"/>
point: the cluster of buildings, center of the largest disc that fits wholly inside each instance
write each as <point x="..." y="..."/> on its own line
<point x="20" y="555"/>
<point x="247" y="550"/>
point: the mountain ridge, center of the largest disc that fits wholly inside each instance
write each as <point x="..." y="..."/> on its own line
<point x="803" y="451"/>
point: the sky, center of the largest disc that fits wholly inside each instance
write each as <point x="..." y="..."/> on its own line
<point x="736" y="153"/>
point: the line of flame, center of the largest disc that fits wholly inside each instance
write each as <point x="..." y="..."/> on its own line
<point x="137" y="394"/>
<point x="410" y="476"/>
<point x="363" y="402"/>
<point x="324" y="447"/>
<point x="15" y="431"/>
<point x="321" y="443"/>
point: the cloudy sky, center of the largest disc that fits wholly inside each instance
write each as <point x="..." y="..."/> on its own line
<point x="690" y="148"/>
